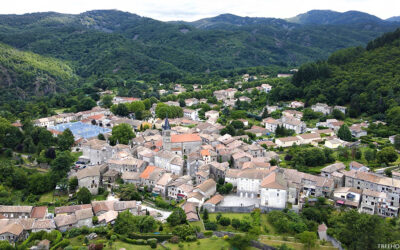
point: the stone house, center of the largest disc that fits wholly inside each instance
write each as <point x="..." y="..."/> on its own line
<point x="207" y="188"/>
<point x="328" y="170"/>
<point x="151" y="175"/>
<point x="322" y="107"/>
<point x="14" y="212"/>
<point x="131" y="177"/>
<point x="84" y="217"/>
<point x="273" y="191"/>
<point x="91" y="178"/>
<point x="358" y="166"/>
<point x="12" y="232"/>
<point x="239" y="158"/>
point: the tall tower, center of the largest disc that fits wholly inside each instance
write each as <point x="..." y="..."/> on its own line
<point x="166" y="134"/>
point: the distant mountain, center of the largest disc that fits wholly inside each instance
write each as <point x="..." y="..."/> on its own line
<point x="124" y="47"/>
<point x="328" y="17"/>
<point x="226" y="20"/>
<point x="393" y="19"/>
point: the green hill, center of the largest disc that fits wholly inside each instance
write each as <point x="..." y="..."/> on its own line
<point x="368" y="80"/>
<point x="26" y="74"/>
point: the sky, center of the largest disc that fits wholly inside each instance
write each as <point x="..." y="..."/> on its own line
<point x="190" y="10"/>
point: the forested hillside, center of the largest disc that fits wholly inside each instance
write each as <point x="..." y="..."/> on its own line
<point x="367" y="79"/>
<point x="121" y="49"/>
<point x="23" y="74"/>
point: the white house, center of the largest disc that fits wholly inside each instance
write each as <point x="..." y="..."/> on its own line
<point x="273" y="191"/>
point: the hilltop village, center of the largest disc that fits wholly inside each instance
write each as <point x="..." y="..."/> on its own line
<point x="207" y="154"/>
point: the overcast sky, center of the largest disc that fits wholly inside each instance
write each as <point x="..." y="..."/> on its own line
<point x="190" y="10"/>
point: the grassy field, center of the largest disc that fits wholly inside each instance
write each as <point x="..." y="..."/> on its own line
<point x="265" y="228"/>
<point x="209" y="243"/>
<point x="290" y="241"/>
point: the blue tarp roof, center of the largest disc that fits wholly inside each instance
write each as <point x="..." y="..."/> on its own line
<point x="81" y="130"/>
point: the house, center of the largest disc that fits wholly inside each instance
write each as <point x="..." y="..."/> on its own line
<point x="341" y="109"/>
<point x="125" y="162"/>
<point x="293" y="113"/>
<point x="322" y="232"/>
<point x="266" y="87"/>
<point x="151" y="175"/>
<point x="196" y="198"/>
<point x="258" y="131"/>
<point x="213" y="202"/>
<point x="132" y="206"/>
<point x="378" y="183"/>
<point x="326" y="132"/>
<point x="162" y="184"/>
<point x="328" y="170"/>
<point x="180" y="187"/>
<point x="108" y="217"/>
<point x="191" y="102"/>
<point x="294" y="124"/>
<point x="239" y="158"/>
<point x="131" y="177"/>
<point x="84" y="217"/>
<point x="65" y="222"/>
<point x="207" y="188"/>
<point x="14" y="212"/>
<point x="100" y="207"/>
<point x="271" y="109"/>
<point x="169" y="161"/>
<point x="110" y="177"/>
<point x="287" y="141"/>
<point x="374" y="202"/>
<point x="12" y="232"/>
<point x="39" y="212"/>
<point x="96" y="151"/>
<point x="90" y="178"/>
<point x="334" y="143"/>
<point x="296" y="104"/>
<point x="271" y="124"/>
<point x="358" y="166"/>
<point x="274" y="191"/>
<point x="322" y="107"/>
<point x="43" y="225"/>
<point x="357" y="130"/>
<point x="212" y="115"/>
<point x="68" y="210"/>
<point x="244" y="99"/>
<point x="191" y="114"/>
<point x="347" y="196"/>
<point x="190" y="211"/>
<point x="309" y="138"/>
<point x="249" y="180"/>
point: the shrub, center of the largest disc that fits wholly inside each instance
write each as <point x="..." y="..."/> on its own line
<point x="191" y="238"/>
<point x="62" y="244"/>
<point x="208" y="233"/>
<point x="224" y="221"/>
<point x="174" y="239"/>
<point x="210" y="225"/>
<point x="152" y="242"/>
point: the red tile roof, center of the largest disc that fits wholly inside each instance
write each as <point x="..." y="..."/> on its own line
<point x="39" y="212"/>
<point x="146" y="173"/>
<point x="185" y="138"/>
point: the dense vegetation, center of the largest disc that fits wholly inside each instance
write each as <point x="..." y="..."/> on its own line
<point x="118" y="49"/>
<point x="367" y="79"/>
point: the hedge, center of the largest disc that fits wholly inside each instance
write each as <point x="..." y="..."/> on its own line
<point x="159" y="237"/>
<point x="208" y="233"/>
<point x="61" y="244"/>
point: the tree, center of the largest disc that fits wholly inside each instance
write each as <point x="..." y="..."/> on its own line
<point x="235" y="223"/>
<point x="369" y="155"/>
<point x="387" y="155"/>
<point x="344" y="133"/>
<point x="309" y="239"/>
<point x="84" y="196"/>
<point x="101" y="137"/>
<point x="224" y="221"/>
<point x="65" y="140"/>
<point x="337" y="114"/>
<point x="122" y="133"/>
<point x="388" y="172"/>
<point x="205" y="214"/>
<point x="62" y="164"/>
<point x="397" y="142"/>
<point x="128" y="192"/>
<point x="265" y="113"/>
<point x="393" y="116"/>
<point x="73" y="184"/>
<point x="177" y="217"/>
<point x="106" y="101"/>
<point x="239" y="241"/>
<point x="182" y="231"/>
<point x="120" y="109"/>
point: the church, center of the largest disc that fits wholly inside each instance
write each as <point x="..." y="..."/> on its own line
<point x="182" y="144"/>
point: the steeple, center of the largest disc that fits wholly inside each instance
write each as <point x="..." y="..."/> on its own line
<point x="166" y="125"/>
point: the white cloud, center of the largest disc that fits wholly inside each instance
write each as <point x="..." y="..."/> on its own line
<point x="190" y="10"/>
